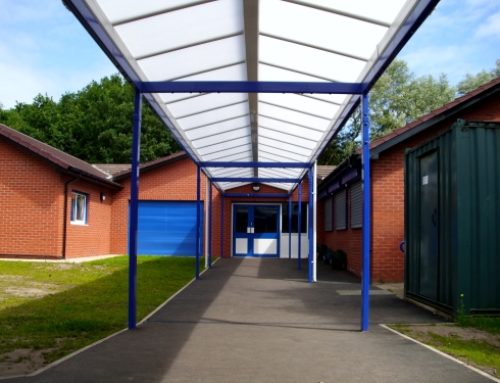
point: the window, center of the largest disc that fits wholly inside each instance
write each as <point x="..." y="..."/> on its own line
<point x="356" y="206"/>
<point x="328" y="215"/>
<point x="340" y="210"/>
<point x="295" y="215"/>
<point x="78" y="208"/>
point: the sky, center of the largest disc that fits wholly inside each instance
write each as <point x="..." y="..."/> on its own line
<point x="44" y="49"/>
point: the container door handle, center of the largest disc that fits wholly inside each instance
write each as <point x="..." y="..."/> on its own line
<point x="434" y="217"/>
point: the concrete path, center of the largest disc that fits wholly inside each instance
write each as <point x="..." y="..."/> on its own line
<point x="256" y="320"/>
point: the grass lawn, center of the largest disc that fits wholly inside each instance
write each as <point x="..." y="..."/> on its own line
<point x="475" y="340"/>
<point x="57" y="308"/>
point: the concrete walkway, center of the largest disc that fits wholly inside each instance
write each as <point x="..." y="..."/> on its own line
<point x="256" y="320"/>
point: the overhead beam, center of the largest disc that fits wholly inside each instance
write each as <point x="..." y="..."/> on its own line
<point x="255" y="179"/>
<point x="251" y="25"/>
<point x="251" y="87"/>
<point x="216" y="164"/>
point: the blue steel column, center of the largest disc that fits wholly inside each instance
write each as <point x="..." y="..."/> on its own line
<point x="290" y="227"/>
<point x="198" y="231"/>
<point x="209" y="202"/>
<point x="134" y="211"/>
<point x="299" y="228"/>
<point x="310" y="257"/>
<point x="365" y="281"/>
<point x="221" y="226"/>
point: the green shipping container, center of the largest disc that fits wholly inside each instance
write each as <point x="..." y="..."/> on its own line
<point x="452" y="219"/>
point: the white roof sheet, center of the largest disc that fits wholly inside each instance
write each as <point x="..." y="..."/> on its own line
<point x="250" y="40"/>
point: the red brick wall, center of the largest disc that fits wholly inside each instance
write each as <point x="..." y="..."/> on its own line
<point x="31" y="202"/>
<point x="388" y="202"/>
<point x="93" y="238"/>
<point x="32" y="209"/>
<point x="348" y="240"/>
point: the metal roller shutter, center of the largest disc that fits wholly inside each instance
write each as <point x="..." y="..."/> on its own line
<point x="340" y="210"/>
<point x="167" y="228"/>
<point x="356" y="206"/>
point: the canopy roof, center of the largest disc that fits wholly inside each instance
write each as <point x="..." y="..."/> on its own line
<point x="347" y="43"/>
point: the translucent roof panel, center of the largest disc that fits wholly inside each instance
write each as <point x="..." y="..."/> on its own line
<point x="320" y="28"/>
<point x="347" y="41"/>
<point x="209" y="21"/>
<point x="194" y="59"/>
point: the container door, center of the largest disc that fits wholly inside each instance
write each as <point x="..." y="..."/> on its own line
<point x="428" y="225"/>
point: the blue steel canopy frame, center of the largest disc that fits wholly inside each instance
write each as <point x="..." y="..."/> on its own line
<point x="359" y="93"/>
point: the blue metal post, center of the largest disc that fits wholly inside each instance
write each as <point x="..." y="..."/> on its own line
<point x="365" y="282"/>
<point x="198" y="231"/>
<point x="310" y="256"/>
<point x="221" y="226"/>
<point x="299" y="228"/>
<point x="134" y="211"/>
<point x="290" y="227"/>
<point x="209" y="202"/>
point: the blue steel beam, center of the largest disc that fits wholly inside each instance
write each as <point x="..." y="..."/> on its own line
<point x="134" y="211"/>
<point x="299" y="228"/>
<point x="256" y="195"/>
<point x="290" y="227"/>
<point x="221" y="226"/>
<point x="209" y="223"/>
<point x="251" y="87"/>
<point x="365" y="273"/>
<point x="255" y="179"/>
<point x="198" y="223"/>
<point x="228" y="164"/>
<point x="310" y="255"/>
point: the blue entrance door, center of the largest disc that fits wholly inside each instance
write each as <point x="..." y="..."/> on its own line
<point x="256" y="230"/>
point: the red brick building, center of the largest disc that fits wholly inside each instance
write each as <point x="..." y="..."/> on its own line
<point x="53" y="205"/>
<point x="339" y="224"/>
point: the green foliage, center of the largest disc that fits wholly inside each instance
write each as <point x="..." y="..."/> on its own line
<point x="471" y="82"/>
<point x="398" y="97"/>
<point x="94" y="124"/>
<point x="83" y="302"/>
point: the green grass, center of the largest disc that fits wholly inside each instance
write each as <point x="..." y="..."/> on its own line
<point x="480" y="353"/>
<point x="85" y="302"/>
<point x="485" y="323"/>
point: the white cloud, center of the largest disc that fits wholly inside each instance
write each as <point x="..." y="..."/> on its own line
<point x="490" y="27"/>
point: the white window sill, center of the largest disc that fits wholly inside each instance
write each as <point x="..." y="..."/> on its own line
<point x="77" y="223"/>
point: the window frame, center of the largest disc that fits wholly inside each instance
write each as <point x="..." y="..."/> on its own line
<point x="75" y="196"/>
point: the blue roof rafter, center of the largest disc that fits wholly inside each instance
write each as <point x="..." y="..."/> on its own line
<point x="255" y="179"/>
<point x="222" y="164"/>
<point x="251" y="87"/>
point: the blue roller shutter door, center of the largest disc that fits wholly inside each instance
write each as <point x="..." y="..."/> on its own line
<point x="167" y="228"/>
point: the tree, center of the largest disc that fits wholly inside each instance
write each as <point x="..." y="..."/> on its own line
<point x="94" y="124"/>
<point x="397" y="98"/>
<point x="471" y="82"/>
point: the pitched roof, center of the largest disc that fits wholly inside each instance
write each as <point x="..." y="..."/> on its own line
<point x="146" y="166"/>
<point x="324" y="170"/>
<point x="62" y="160"/>
<point x="395" y="137"/>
